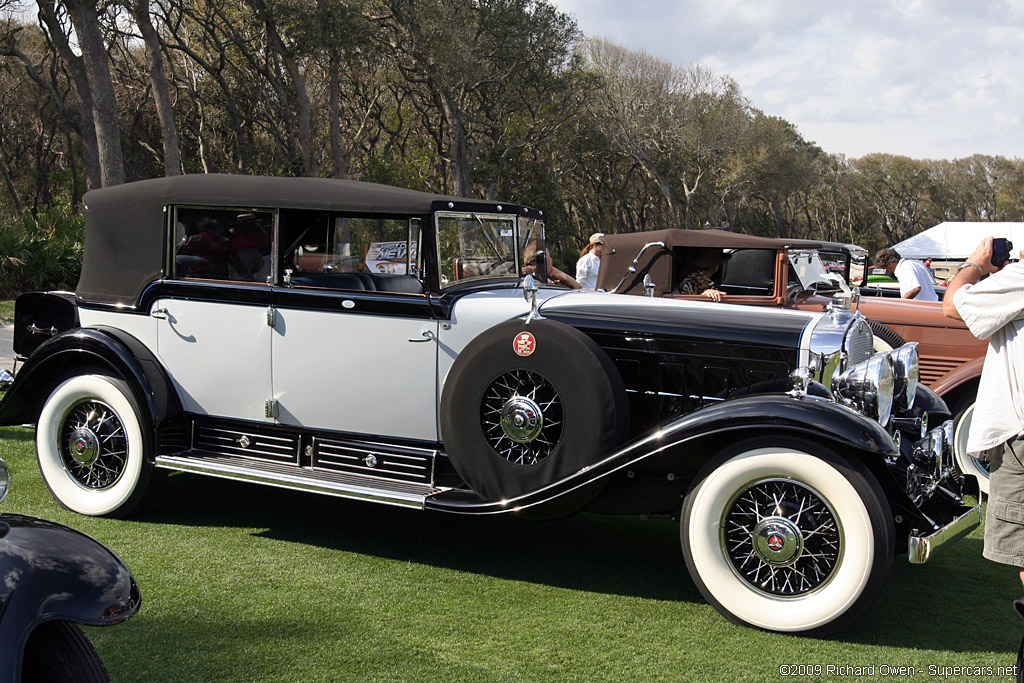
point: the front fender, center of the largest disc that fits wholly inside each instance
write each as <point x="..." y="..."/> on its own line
<point x="106" y="348"/>
<point x="808" y="416"/>
<point x="927" y="402"/>
<point x="52" y="572"/>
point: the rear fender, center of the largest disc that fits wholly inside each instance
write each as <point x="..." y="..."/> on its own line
<point x="50" y="572"/>
<point x="107" y="349"/>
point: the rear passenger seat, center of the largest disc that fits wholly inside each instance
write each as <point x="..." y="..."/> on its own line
<point x="366" y="282"/>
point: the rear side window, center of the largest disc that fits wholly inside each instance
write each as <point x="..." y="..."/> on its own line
<point x="223" y="244"/>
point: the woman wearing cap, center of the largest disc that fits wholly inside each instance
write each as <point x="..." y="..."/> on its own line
<point x="590" y="261"/>
<point x="705" y="262"/>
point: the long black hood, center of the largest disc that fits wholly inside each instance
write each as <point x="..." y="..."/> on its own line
<point x="697" y="321"/>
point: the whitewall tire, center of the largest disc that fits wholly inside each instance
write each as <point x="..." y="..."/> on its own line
<point x="967" y="464"/>
<point x="90" y="445"/>
<point x="787" y="536"/>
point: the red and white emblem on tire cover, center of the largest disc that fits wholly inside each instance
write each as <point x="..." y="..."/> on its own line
<point x="524" y="344"/>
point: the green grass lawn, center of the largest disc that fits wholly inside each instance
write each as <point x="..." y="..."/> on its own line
<point x="6" y="311"/>
<point x="246" y="583"/>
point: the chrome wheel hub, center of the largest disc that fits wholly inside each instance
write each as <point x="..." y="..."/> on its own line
<point x="521" y="419"/>
<point x="84" y="446"/>
<point x="777" y="541"/>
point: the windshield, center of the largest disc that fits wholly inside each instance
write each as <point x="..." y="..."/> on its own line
<point x="809" y="270"/>
<point x="478" y="245"/>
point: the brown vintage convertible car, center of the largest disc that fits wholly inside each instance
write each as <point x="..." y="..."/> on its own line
<point x="788" y="273"/>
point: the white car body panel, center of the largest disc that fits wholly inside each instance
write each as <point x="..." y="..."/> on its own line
<point x="218" y="357"/>
<point x="357" y="373"/>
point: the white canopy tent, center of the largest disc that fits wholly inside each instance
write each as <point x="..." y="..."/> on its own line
<point x="956" y="241"/>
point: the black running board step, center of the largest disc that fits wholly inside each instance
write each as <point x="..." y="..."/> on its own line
<point x="399" y="493"/>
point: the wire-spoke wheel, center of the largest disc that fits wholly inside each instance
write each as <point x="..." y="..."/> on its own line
<point x="525" y="406"/>
<point x="521" y="415"/>
<point x="782" y="537"/>
<point x="93" y="445"/>
<point x="787" y="536"/>
<point x="89" y="439"/>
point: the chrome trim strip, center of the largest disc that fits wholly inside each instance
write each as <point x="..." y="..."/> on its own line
<point x="920" y="548"/>
<point x="300" y="479"/>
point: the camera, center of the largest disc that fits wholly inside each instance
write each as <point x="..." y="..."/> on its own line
<point x="1001" y="251"/>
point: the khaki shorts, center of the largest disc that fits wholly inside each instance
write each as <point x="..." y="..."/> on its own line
<point x="1004" y="521"/>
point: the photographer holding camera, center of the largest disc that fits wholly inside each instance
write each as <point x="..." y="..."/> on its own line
<point x="994" y="308"/>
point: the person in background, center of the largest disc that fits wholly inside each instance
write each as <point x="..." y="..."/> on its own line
<point x="704" y="263"/>
<point x="915" y="280"/>
<point x="590" y="261"/>
<point x="554" y="274"/>
<point x="994" y="309"/>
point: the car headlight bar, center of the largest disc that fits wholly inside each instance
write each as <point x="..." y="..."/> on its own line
<point x="869" y="387"/>
<point x="906" y="364"/>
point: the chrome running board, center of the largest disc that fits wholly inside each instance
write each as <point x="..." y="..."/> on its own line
<point x="297" y="478"/>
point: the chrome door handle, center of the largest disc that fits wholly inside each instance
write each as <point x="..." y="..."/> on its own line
<point x="425" y="336"/>
<point x="34" y="329"/>
<point x="159" y="313"/>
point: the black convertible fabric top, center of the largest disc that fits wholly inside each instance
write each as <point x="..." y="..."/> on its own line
<point x="124" y="224"/>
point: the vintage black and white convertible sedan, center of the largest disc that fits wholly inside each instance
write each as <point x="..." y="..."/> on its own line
<point x="375" y="343"/>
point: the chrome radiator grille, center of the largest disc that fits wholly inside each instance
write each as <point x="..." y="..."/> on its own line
<point x="858" y="343"/>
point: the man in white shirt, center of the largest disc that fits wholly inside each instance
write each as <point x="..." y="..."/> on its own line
<point x="915" y="280"/>
<point x="995" y="308"/>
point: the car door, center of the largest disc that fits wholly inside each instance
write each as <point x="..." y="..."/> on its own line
<point x="213" y="336"/>
<point x="354" y="343"/>
<point x="358" y="362"/>
<point x="217" y="354"/>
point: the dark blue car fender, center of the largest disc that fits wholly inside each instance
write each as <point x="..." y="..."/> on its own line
<point x="51" y="572"/>
<point x="807" y="416"/>
<point x="108" y="349"/>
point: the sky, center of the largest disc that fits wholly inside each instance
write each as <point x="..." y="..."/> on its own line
<point x="928" y="79"/>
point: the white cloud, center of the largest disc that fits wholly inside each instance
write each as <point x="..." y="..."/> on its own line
<point x="924" y="78"/>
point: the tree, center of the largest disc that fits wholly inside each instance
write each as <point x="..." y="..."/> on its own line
<point x="158" y="82"/>
<point x="677" y="123"/>
<point x="468" y="64"/>
<point x="84" y="16"/>
<point x="896" y="187"/>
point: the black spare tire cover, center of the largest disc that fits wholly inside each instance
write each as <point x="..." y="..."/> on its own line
<point x="526" y="405"/>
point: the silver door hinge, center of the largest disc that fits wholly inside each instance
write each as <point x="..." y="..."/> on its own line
<point x="270" y="408"/>
<point x="270" y="316"/>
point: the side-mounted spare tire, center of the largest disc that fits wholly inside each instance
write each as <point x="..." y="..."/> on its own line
<point x="526" y="405"/>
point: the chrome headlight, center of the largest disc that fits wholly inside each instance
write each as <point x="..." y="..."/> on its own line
<point x="868" y="387"/>
<point x="906" y="362"/>
<point x="5" y="479"/>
